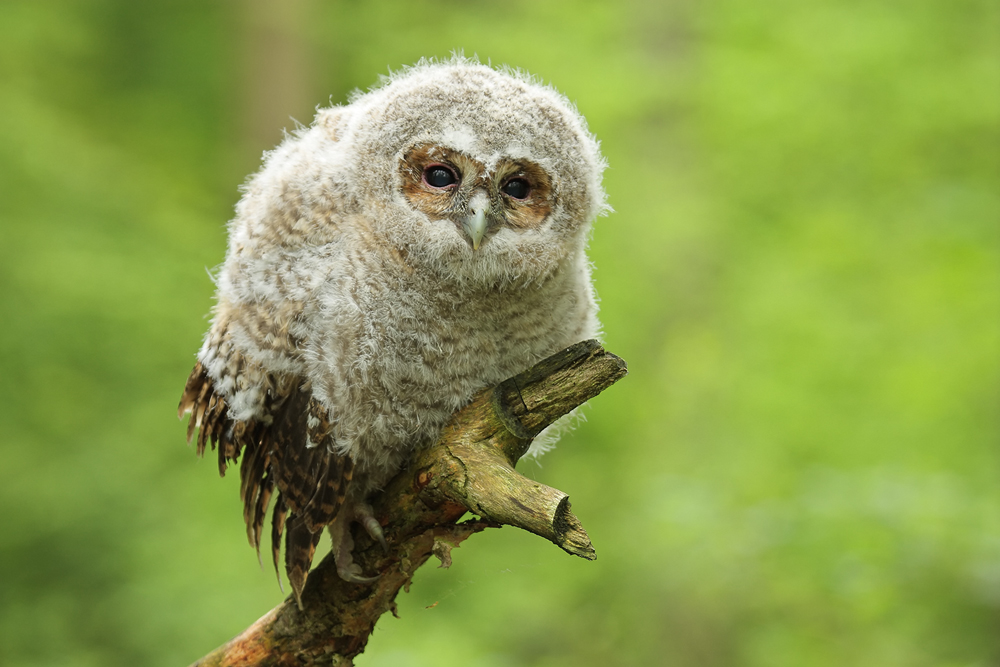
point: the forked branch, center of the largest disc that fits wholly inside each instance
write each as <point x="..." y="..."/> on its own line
<point x="469" y="469"/>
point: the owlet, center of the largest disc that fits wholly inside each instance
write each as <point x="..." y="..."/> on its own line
<point x="423" y="242"/>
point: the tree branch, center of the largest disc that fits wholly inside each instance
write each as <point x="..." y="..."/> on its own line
<point x="469" y="469"/>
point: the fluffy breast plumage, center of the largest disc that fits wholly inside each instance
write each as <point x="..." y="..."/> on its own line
<point x="406" y="250"/>
<point x="397" y="351"/>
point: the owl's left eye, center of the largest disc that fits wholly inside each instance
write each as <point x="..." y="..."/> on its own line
<point x="440" y="176"/>
<point x="517" y="188"/>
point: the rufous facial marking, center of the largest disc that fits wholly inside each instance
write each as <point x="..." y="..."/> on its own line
<point x="438" y="181"/>
<point x="531" y="209"/>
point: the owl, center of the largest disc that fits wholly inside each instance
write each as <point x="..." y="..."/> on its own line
<point x="420" y="243"/>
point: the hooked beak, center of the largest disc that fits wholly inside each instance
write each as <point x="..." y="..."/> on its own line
<point x="475" y="223"/>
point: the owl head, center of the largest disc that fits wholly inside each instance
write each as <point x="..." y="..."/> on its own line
<point x="477" y="175"/>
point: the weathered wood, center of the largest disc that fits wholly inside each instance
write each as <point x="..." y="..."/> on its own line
<point x="469" y="469"/>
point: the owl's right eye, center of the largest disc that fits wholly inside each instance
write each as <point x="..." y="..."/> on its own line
<point x="440" y="176"/>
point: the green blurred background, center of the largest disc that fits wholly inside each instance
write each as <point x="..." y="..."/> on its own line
<point x="803" y="272"/>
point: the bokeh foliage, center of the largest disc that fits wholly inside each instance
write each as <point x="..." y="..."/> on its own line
<point x="803" y="272"/>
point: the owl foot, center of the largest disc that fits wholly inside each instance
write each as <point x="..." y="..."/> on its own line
<point x="343" y="543"/>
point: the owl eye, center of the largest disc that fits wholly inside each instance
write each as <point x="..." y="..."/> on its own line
<point x="517" y="188"/>
<point x="440" y="176"/>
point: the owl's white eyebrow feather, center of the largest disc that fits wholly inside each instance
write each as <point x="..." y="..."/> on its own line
<point x="460" y="138"/>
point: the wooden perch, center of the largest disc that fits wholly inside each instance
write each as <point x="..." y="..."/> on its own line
<point x="469" y="469"/>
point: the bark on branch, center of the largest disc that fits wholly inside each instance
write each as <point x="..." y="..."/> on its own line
<point x="469" y="469"/>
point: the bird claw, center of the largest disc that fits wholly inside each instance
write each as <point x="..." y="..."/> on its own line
<point x="352" y="574"/>
<point x="366" y="517"/>
<point x="343" y="543"/>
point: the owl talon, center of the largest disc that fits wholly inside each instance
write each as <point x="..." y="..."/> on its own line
<point x="352" y="575"/>
<point x="366" y="517"/>
<point x="343" y="544"/>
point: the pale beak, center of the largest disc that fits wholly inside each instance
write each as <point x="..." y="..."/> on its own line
<point x="474" y="224"/>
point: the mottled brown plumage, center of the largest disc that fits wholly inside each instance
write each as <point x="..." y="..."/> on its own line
<point x="293" y="452"/>
<point x="406" y="250"/>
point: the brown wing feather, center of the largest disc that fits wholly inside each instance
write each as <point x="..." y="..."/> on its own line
<point x="260" y="510"/>
<point x="300" y="546"/>
<point x="330" y="496"/>
<point x="277" y="527"/>
<point x="252" y="486"/>
<point x="311" y="478"/>
<point x="209" y="415"/>
<point x="295" y="453"/>
<point x="299" y="462"/>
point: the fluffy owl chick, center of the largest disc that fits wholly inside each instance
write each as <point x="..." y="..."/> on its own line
<point x="406" y="250"/>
